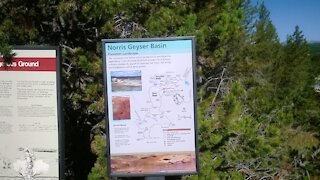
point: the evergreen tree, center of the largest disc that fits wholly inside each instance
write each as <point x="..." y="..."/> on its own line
<point x="258" y="111"/>
<point x="256" y="63"/>
<point x="293" y="68"/>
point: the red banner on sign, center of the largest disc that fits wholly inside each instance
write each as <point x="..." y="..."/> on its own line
<point x="29" y="64"/>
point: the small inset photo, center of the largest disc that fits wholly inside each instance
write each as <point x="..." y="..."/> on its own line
<point x="121" y="107"/>
<point x="126" y="81"/>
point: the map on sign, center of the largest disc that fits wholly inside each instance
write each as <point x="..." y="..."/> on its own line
<point x="151" y="106"/>
<point x="165" y="91"/>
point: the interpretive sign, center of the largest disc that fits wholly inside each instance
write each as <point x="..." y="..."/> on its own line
<point x="30" y="118"/>
<point x="151" y="106"/>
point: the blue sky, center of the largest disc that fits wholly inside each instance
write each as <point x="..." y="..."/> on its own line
<point x="286" y="14"/>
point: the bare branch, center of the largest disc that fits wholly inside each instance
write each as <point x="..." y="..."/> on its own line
<point x="218" y="89"/>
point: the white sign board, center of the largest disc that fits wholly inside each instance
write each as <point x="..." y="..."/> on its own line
<point x="29" y="115"/>
<point x="151" y="102"/>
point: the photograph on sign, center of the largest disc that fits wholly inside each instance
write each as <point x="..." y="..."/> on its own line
<point x="151" y="117"/>
<point x="126" y="81"/>
<point x="29" y="114"/>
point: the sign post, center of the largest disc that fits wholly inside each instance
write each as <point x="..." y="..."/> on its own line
<point x="30" y="115"/>
<point x="151" y="106"/>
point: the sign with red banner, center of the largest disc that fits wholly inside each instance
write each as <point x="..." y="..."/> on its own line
<point x="29" y="64"/>
<point x="30" y="114"/>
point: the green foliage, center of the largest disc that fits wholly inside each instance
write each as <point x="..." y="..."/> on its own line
<point x="99" y="171"/>
<point x="262" y="122"/>
<point x="294" y="67"/>
<point x="189" y="26"/>
<point x="163" y="22"/>
<point x="5" y="49"/>
<point x="314" y="48"/>
<point x="221" y="137"/>
<point x="302" y="140"/>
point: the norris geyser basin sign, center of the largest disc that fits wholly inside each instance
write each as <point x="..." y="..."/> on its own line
<point x="150" y="92"/>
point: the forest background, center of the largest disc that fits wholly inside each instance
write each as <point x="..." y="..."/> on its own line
<point x="258" y="99"/>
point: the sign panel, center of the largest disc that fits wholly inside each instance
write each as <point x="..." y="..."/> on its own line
<point x="30" y="114"/>
<point x="151" y="102"/>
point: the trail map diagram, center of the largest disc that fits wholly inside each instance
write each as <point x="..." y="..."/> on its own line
<point x="168" y="103"/>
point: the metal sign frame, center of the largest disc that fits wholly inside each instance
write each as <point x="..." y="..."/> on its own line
<point x="106" y="85"/>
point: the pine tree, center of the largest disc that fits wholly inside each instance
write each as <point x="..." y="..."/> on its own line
<point x="293" y="68"/>
<point x="258" y="111"/>
<point x="255" y="64"/>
